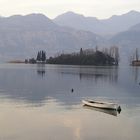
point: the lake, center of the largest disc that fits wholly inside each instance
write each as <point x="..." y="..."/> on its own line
<point x="36" y="102"/>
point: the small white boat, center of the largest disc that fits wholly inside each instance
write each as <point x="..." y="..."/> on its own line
<point x="103" y="105"/>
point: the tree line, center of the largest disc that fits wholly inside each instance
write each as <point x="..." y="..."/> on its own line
<point x="88" y="57"/>
<point x="106" y="56"/>
<point x="41" y="58"/>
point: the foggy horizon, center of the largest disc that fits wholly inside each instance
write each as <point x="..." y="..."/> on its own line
<point x="53" y="8"/>
<point x="68" y="12"/>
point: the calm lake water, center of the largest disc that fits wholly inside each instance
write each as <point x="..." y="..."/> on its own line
<point x="36" y="102"/>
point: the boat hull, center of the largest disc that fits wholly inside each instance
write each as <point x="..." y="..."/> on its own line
<point x="103" y="105"/>
<point x="113" y="112"/>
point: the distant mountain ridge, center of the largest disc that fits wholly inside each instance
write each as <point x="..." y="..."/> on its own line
<point x="36" y="21"/>
<point x="112" y="26"/>
<point x="128" y="41"/>
<point x="129" y="38"/>
<point x="23" y="36"/>
<point x="135" y="27"/>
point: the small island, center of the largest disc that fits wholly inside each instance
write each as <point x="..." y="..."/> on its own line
<point x="85" y="57"/>
<point x="106" y="57"/>
<point x="95" y="57"/>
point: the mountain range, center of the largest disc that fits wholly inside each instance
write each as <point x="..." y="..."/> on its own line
<point x="128" y="41"/>
<point x="110" y="26"/>
<point x="23" y="36"/>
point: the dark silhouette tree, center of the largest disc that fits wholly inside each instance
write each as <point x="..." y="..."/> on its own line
<point x="38" y="56"/>
<point x="81" y="52"/>
<point x="137" y="55"/>
<point x="41" y="56"/>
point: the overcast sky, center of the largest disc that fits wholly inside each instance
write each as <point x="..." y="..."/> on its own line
<point x="52" y="8"/>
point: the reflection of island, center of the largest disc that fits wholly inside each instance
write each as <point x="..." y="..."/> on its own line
<point x="41" y="69"/>
<point x="106" y="73"/>
<point x="110" y="112"/>
<point x="109" y="74"/>
<point x="111" y="77"/>
<point x="30" y="88"/>
<point x="136" y="74"/>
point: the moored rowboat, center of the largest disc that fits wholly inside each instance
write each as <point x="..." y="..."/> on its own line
<point x="103" y="105"/>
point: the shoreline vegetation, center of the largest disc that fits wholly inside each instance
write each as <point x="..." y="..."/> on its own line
<point x="95" y="57"/>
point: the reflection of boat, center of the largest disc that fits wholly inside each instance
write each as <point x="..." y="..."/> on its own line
<point x="107" y="111"/>
<point x="103" y="105"/>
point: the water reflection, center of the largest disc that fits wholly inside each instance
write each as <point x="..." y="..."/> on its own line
<point x="136" y="74"/>
<point x="49" y="110"/>
<point x="60" y="80"/>
<point x="41" y="69"/>
<point x="109" y="74"/>
<point x="107" y="111"/>
<point x="54" y="122"/>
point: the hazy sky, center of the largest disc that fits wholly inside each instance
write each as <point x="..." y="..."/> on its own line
<point x="52" y="8"/>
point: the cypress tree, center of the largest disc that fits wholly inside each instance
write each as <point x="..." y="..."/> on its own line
<point x="41" y="56"/>
<point x="38" y="56"/>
